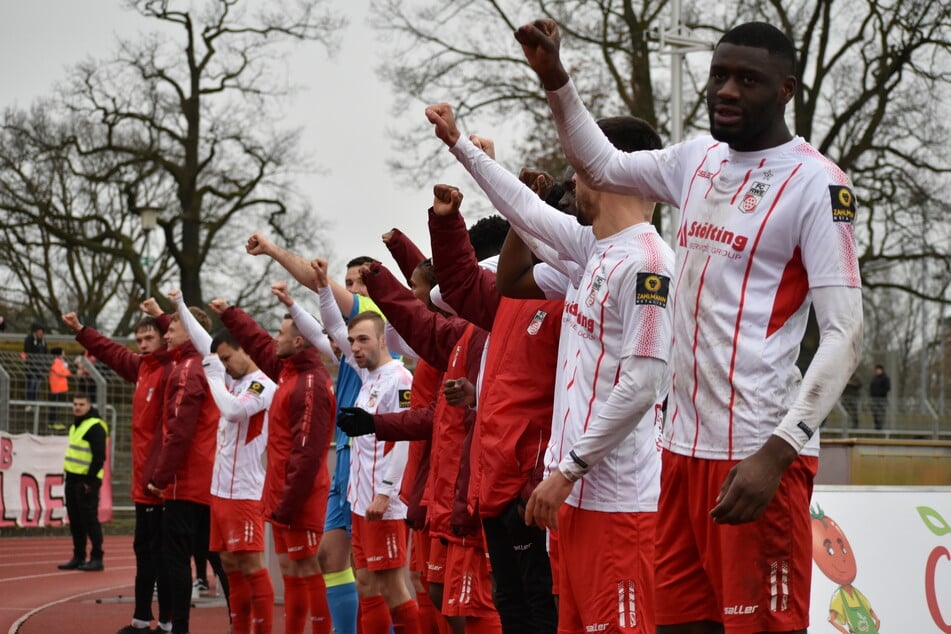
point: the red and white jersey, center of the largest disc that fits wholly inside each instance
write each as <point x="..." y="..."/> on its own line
<point x="242" y="440"/>
<point x="377" y="466"/>
<point x="758" y="230"/>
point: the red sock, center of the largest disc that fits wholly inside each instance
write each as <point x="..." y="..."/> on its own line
<point x="429" y="616"/>
<point x="374" y="615"/>
<point x="484" y="624"/>
<point x="295" y="605"/>
<point x="406" y="618"/>
<point x="320" y="622"/>
<point x="239" y="597"/>
<point x="262" y="602"/>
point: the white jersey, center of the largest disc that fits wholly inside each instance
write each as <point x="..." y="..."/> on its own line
<point x="242" y="440"/>
<point x="758" y="230"/>
<point x="376" y="467"/>
<point x="617" y="308"/>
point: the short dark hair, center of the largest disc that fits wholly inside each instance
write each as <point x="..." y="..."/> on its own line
<point x="426" y="266"/>
<point x="487" y="235"/>
<point x="224" y="336"/>
<point x="359" y="261"/>
<point x="371" y="316"/>
<point x="766" y="36"/>
<point x="83" y="395"/>
<point x="630" y="134"/>
<point x="147" y="323"/>
<point x="56" y="351"/>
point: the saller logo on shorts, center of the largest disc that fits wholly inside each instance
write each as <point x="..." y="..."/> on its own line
<point x="843" y="204"/>
<point x="404" y="398"/>
<point x="652" y="289"/>
<point x="256" y="387"/>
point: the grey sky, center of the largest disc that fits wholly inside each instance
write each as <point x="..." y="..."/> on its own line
<point x="342" y="106"/>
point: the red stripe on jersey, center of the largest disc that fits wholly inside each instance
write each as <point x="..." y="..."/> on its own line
<point x="792" y="292"/>
<point x="739" y="312"/>
<point x="681" y="233"/>
<point x="255" y="426"/>
<point x="696" y="379"/>
<point x="746" y="179"/>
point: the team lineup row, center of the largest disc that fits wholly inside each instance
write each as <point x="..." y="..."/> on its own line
<point x="600" y="434"/>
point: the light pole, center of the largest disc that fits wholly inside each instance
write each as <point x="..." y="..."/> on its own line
<point x="148" y="216"/>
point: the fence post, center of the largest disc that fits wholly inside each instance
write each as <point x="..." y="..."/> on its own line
<point x="4" y="399"/>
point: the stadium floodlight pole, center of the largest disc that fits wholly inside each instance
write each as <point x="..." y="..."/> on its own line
<point x="148" y="216"/>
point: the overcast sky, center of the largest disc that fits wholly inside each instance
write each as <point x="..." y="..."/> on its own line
<point x="342" y="106"/>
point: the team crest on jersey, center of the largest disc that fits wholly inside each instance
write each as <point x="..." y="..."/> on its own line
<point x="404" y="398"/>
<point x="596" y="285"/>
<point x="843" y="204"/>
<point x="371" y="402"/>
<point x="537" y="321"/>
<point x="256" y="387"/>
<point x="753" y="196"/>
<point x="652" y="289"/>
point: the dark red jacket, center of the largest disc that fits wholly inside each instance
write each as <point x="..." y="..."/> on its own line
<point x="454" y="346"/>
<point x="518" y="380"/>
<point x="185" y="462"/>
<point x="149" y="372"/>
<point x="300" y="426"/>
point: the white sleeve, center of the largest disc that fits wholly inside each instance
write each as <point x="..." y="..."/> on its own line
<point x="333" y="322"/>
<point x="601" y="165"/>
<point x="396" y="344"/>
<point x="521" y="206"/>
<point x="637" y="390"/>
<point x="199" y="336"/>
<point x="311" y="329"/>
<point x="550" y="281"/>
<point x="393" y="478"/>
<point x="839" y="313"/>
<point x="230" y="407"/>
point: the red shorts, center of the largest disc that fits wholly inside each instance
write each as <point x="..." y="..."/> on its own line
<point x="298" y="543"/>
<point x="468" y="586"/>
<point x="419" y="552"/>
<point x="237" y="526"/>
<point x="436" y="561"/>
<point x="607" y="587"/>
<point x="762" y="570"/>
<point x="378" y="545"/>
<point x="553" y="557"/>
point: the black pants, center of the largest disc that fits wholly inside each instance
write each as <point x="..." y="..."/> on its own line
<point x="82" y="508"/>
<point x="181" y="530"/>
<point x="521" y="574"/>
<point x="150" y="570"/>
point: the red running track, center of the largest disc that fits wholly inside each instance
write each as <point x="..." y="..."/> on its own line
<point x="37" y="598"/>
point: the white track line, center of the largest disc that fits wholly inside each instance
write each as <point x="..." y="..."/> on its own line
<point x="58" y="574"/>
<point x="23" y="619"/>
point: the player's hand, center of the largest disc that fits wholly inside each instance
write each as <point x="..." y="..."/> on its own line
<point x="459" y="392"/>
<point x="72" y="322"/>
<point x="541" y="44"/>
<point x="354" y="421"/>
<point x="485" y="144"/>
<point x="173" y="296"/>
<point x="389" y="235"/>
<point x="154" y="490"/>
<point x="538" y="181"/>
<point x="150" y="307"/>
<point x="320" y="267"/>
<point x="366" y="272"/>
<point x="441" y="116"/>
<point x="258" y="244"/>
<point x="751" y="484"/>
<point x="446" y="200"/>
<point x="377" y="507"/>
<point x="219" y="305"/>
<point x="546" y="499"/>
<point x="279" y="290"/>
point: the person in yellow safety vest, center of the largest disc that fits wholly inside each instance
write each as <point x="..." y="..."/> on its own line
<point x="83" y="464"/>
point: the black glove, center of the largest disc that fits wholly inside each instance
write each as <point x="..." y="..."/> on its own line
<point x="355" y="421"/>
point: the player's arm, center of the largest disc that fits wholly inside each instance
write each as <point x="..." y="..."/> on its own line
<point x="330" y="312"/>
<point x="199" y="336"/>
<point x="518" y="276"/>
<point x="404" y="251"/>
<point x="751" y="484"/>
<point x="256" y="341"/>
<point x="123" y="361"/>
<point x="310" y="329"/>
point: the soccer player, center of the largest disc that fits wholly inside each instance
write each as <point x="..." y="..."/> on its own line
<point x="612" y="382"/>
<point x="148" y="369"/>
<point x="296" y="484"/>
<point x="766" y="227"/>
<point x="237" y="515"/>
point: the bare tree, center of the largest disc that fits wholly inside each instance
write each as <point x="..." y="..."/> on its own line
<point x="179" y="120"/>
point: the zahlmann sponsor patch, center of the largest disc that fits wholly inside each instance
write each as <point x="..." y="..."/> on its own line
<point x="652" y="289"/>
<point x="404" y="398"/>
<point x="843" y="204"/>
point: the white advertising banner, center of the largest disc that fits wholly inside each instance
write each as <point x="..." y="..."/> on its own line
<point x="32" y="480"/>
<point x="881" y="560"/>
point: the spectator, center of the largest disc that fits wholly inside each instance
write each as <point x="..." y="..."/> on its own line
<point x="59" y="386"/>
<point x="34" y="347"/>
<point x="878" y="389"/>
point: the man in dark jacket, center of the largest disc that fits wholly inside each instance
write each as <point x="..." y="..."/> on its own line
<point x="34" y="353"/>
<point x="83" y="464"/>
<point x="878" y="389"/>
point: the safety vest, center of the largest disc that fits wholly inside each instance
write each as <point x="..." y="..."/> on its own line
<point x="79" y="453"/>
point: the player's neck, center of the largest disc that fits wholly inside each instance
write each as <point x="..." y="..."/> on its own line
<point x="617" y="213"/>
